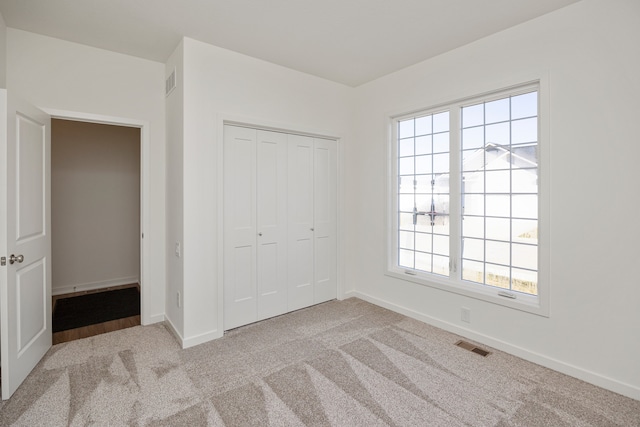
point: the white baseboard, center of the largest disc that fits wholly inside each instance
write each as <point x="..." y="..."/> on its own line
<point x="201" y="339"/>
<point x="352" y="294"/>
<point x="95" y="285"/>
<point x="156" y="318"/>
<point x="548" y="362"/>
<point x="191" y="341"/>
<point x="173" y="330"/>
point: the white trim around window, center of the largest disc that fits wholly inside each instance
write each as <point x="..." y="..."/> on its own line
<point x="435" y="216"/>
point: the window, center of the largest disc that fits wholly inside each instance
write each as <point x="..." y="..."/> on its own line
<point x="465" y="197"/>
<point x="423" y="193"/>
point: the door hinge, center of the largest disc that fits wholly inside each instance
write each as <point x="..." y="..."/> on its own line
<point x="3" y="261"/>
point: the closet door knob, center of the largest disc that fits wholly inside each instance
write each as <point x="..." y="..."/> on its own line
<point x="312" y="229"/>
<point x="260" y="234"/>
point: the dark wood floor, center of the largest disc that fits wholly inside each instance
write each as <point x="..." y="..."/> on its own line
<point x="91" y="330"/>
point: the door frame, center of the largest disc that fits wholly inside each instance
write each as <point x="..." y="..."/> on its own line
<point x="146" y="318"/>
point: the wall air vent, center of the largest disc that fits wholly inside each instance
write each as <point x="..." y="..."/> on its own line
<point x="472" y="348"/>
<point x="170" y="83"/>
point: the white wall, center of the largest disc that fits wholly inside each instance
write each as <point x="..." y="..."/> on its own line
<point x="95" y="205"/>
<point x="60" y="75"/>
<point x="174" y="202"/>
<point x="590" y="53"/>
<point x="3" y="53"/>
<point x="220" y="84"/>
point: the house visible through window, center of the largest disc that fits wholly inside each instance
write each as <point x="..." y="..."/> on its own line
<point x="500" y="193"/>
<point x="465" y="207"/>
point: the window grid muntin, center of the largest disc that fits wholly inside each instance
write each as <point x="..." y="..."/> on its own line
<point x="511" y="217"/>
<point x="433" y="255"/>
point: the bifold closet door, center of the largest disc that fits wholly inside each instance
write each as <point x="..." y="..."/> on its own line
<point x="271" y="217"/>
<point x="240" y="285"/>
<point x="279" y="223"/>
<point x="325" y="220"/>
<point x="255" y="225"/>
<point x="300" y="263"/>
<point x="312" y="263"/>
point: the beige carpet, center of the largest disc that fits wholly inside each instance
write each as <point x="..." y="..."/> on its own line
<point x="345" y="363"/>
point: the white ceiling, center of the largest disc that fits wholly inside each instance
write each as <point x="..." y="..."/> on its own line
<point x="347" y="41"/>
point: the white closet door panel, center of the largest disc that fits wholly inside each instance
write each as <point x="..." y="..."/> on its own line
<point x="300" y="273"/>
<point x="240" y="294"/>
<point x="300" y="193"/>
<point x="271" y="223"/>
<point x="243" y="280"/>
<point x="324" y="212"/>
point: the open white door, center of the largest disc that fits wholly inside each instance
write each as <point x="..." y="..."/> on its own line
<point x="25" y="240"/>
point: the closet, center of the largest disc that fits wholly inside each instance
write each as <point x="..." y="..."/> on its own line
<point x="279" y="223"/>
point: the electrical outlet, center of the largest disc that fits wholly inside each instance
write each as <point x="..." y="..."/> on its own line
<point x="178" y="302"/>
<point x="465" y="315"/>
<point x="178" y="251"/>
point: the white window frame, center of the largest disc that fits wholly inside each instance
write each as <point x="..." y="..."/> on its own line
<point x="536" y="304"/>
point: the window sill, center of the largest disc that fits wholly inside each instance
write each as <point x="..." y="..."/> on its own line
<point x="522" y="302"/>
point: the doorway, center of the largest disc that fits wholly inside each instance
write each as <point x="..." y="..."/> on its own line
<point x="96" y="205"/>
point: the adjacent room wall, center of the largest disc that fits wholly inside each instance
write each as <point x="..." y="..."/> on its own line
<point x="95" y="205"/>
<point x="589" y="51"/>
<point x="218" y="85"/>
<point x="61" y="75"/>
